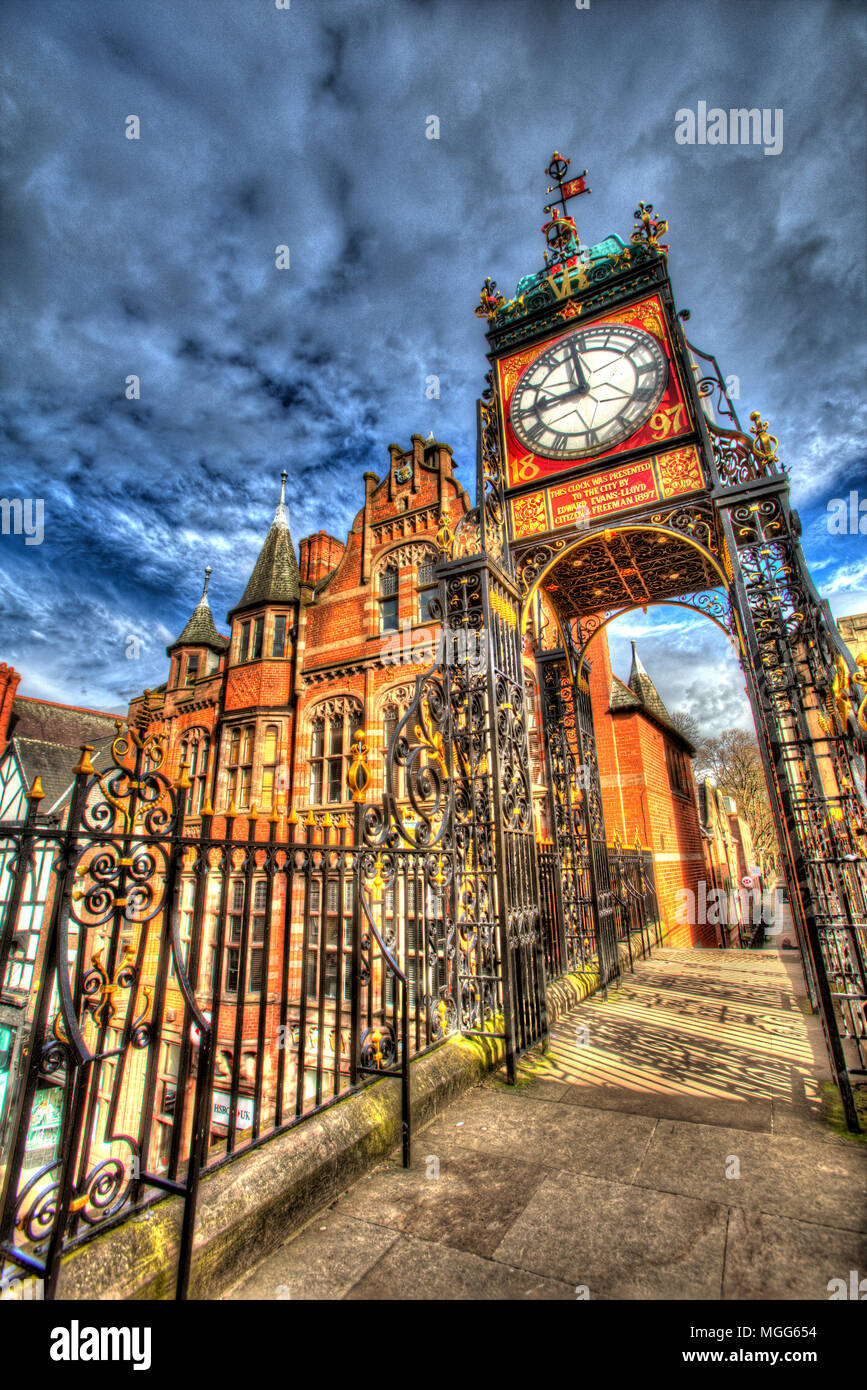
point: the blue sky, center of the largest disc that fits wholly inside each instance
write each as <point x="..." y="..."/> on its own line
<point x="306" y="127"/>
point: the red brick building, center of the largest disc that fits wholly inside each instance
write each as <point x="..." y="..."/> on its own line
<point x="645" y="764"/>
<point x="324" y="642"/>
<point x="320" y="645"/>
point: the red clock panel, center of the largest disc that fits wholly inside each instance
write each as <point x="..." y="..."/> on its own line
<point x="594" y="391"/>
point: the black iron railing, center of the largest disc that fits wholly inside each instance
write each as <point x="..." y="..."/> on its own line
<point x="636" y="910"/>
<point x="192" y="994"/>
<point x="636" y="906"/>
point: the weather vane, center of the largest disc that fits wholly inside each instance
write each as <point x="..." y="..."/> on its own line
<point x="560" y="232"/>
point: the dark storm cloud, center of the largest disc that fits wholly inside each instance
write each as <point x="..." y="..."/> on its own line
<point x="306" y="127"/>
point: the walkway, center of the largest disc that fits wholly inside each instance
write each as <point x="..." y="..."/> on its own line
<point x="678" y="1141"/>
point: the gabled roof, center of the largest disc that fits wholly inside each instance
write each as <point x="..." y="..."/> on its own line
<point x="641" y="684"/>
<point x="621" y="696"/>
<point x="642" y="694"/>
<point x="201" y="630"/>
<point x="54" y="763"/>
<point x="64" y="724"/>
<point x="275" y="577"/>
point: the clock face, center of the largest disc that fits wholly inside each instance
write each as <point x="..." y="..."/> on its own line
<point x="592" y="389"/>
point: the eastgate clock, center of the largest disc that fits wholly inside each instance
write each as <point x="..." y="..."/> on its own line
<point x="589" y="391"/>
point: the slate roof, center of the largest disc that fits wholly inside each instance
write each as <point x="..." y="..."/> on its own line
<point x="54" y="763"/>
<point x="64" y="724"/>
<point x="643" y="687"/>
<point x="642" y="694"/>
<point x="276" y="577"/>
<point x="621" y="696"/>
<point x="201" y="630"/>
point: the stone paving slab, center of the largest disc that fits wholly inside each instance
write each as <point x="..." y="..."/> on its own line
<point x="768" y="1256"/>
<point x="756" y="1115"/>
<point x="777" y="1173"/>
<point x="500" y="1121"/>
<point x="605" y="1166"/>
<point x="323" y="1261"/>
<point x="417" y="1269"/>
<point x="620" y="1242"/>
<point x="465" y="1200"/>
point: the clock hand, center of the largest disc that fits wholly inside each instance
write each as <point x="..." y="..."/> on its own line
<point x="559" y="399"/>
<point x="578" y="365"/>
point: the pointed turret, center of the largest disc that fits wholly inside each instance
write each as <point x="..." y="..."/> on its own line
<point x="275" y="577"/>
<point x="641" y="684"/>
<point x="200" y="630"/>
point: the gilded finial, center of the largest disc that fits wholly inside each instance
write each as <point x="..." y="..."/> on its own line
<point x="765" y="445"/>
<point x="490" y="300"/>
<point x="143" y="713"/>
<point x="84" y="766"/>
<point x="648" y="229"/>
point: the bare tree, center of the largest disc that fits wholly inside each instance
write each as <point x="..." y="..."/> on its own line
<point x="686" y="723"/>
<point x="733" y="760"/>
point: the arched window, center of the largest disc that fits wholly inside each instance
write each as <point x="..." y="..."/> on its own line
<point x="427" y="588"/>
<point x="239" y="766"/>
<point x="395" y="703"/>
<point x="269" y="765"/>
<point x="333" y="725"/>
<point x="388" y="599"/>
<point x="195" y="747"/>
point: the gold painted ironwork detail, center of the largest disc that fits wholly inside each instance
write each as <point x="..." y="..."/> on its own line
<point x="101" y="1001"/>
<point x="490" y="300"/>
<point x="359" y="771"/>
<point x="445" y="536"/>
<point x="648" y="229"/>
<point x="764" y="444"/>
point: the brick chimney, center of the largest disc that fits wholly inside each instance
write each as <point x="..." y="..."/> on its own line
<point x="9" y="679"/>
<point x="318" y="556"/>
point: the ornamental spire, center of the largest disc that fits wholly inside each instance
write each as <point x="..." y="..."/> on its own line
<point x="200" y="629"/>
<point x="281" y="515"/>
<point x="275" y="577"/>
